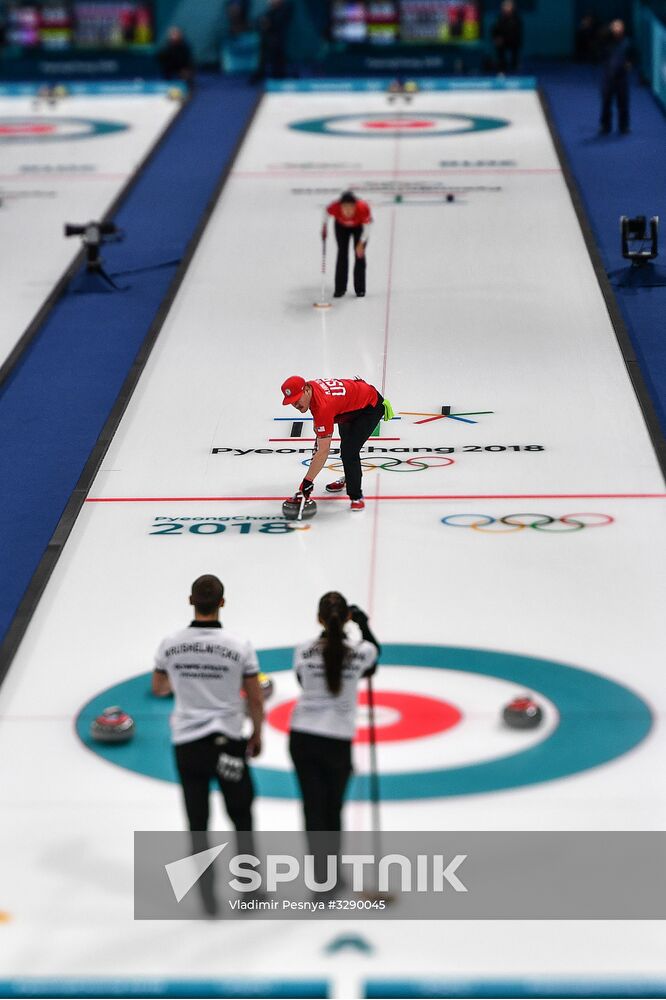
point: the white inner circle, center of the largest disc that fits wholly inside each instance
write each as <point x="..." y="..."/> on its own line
<point x="384" y="716"/>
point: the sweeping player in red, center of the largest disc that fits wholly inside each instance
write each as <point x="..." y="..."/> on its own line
<point x="356" y="407"/>
<point x="352" y="222"/>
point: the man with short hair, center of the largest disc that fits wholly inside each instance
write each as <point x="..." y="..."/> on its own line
<point x="208" y="669"/>
<point x="352" y="223"/>
<point x="356" y="406"/>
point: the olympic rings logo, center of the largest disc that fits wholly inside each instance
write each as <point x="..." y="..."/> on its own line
<point x="396" y="464"/>
<point x="518" y="522"/>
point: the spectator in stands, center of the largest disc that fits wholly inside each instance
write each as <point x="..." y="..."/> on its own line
<point x="507" y="38"/>
<point x="457" y="21"/>
<point x="587" y="38"/>
<point x="273" y="27"/>
<point x="237" y="16"/>
<point x="616" y="61"/>
<point x="175" y="58"/>
<point x="127" y="25"/>
<point x="3" y="28"/>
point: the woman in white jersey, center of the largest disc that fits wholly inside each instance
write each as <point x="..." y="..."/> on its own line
<point x="323" y="722"/>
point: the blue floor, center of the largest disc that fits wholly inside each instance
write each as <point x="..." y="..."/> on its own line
<point x="619" y="175"/>
<point x="57" y="400"/>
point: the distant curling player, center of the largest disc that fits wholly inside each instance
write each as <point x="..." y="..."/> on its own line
<point x="356" y="407"/>
<point x="352" y="222"/>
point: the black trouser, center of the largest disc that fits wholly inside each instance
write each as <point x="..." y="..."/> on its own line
<point x="323" y="767"/>
<point x="197" y="762"/>
<point x="615" y="87"/>
<point x="507" y="58"/>
<point x="355" y="429"/>
<point x="343" y="235"/>
<point x="272" y="58"/>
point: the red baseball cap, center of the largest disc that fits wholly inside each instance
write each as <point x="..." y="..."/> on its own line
<point x="292" y="389"/>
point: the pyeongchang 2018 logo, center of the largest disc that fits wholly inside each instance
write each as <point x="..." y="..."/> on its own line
<point x="231" y="526"/>
<point x="385" y="449"/>
<point x="300" y="429"/>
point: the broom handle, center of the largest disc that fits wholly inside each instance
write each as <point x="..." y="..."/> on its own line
<point x="374" y="776"/>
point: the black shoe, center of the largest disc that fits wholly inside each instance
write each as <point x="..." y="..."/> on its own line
<point x="604" y="131"/>
<point x="360" y="295"/>
<point x="338" y="295"/>
<point x="625" y="131"/>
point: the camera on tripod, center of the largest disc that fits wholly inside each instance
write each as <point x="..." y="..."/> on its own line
<point x="93" y="236"/>
<point x="638" y="244"/>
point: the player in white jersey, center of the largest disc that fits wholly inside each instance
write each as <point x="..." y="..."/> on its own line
<point x="207" y="669"/>
<point x="323" y="722"/>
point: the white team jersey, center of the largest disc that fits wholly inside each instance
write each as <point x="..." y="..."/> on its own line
<point x="206" y="666"/>
<point x="317" y="710"/>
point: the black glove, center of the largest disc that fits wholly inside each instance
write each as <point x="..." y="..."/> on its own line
<point x="357" y="615"/>
<point x="306" y="488"/>
<point x="361" y="619"/>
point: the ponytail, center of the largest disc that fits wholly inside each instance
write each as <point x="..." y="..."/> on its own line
<point x="333" y="613"/>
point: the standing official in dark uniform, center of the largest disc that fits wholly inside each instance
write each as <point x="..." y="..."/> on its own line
<point x="507" y="38"/>
<point x="273" y="29"/>
<point x="615" y="79"/>
<point x="352" y="225"/>
<point x="176" y="59"/>
<point x="208" y="669"/>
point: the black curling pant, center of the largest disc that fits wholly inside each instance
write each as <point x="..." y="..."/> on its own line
<point x="343" y="236"/>
<point x="323" y="767"/>
<point x="615" y="88"/>
<point x="197" y="763"/>
<point x="355" y="429"/>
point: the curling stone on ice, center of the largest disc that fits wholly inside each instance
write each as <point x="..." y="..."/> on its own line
<point x="522" y="713"/>
<point x="113" y="726"/>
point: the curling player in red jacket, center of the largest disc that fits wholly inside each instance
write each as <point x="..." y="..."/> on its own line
<point x="356" y="407"/>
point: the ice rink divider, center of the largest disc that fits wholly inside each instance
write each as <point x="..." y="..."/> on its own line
<point x="107" y="88"/>
<point x="543" y="988"/>
<point x="378" y="85"/>
<point x="503" y="989"/>
<point x="92" y="988"/>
